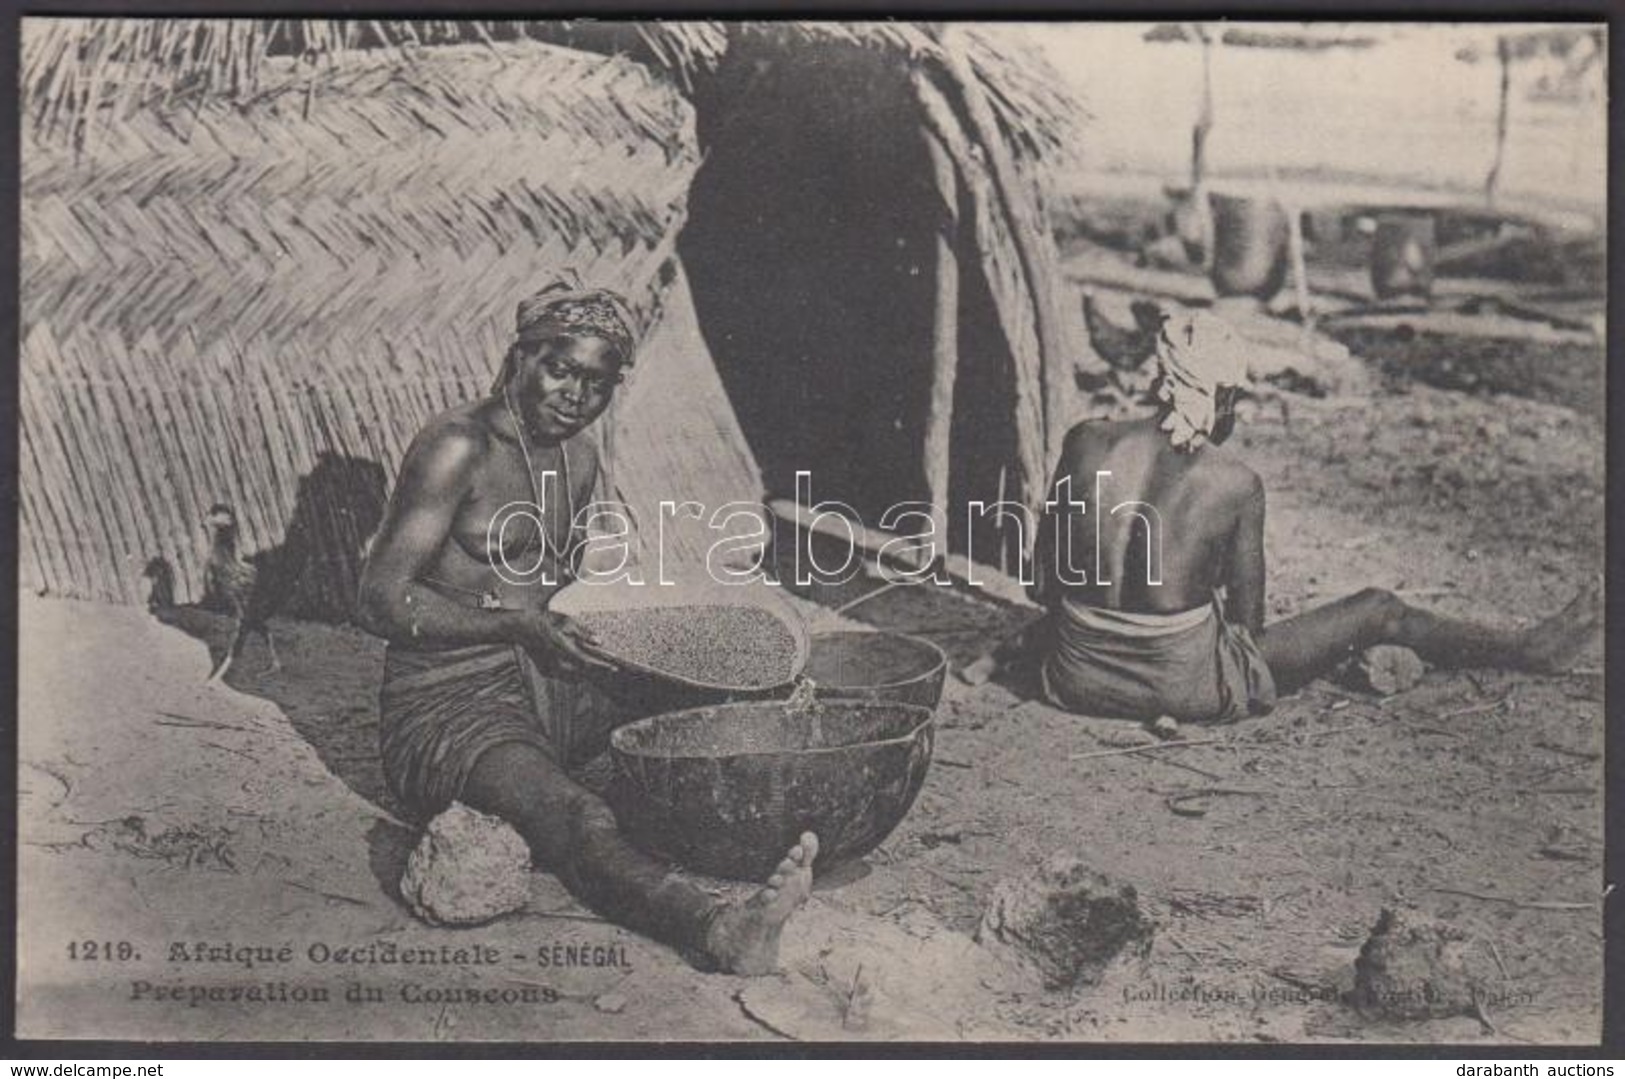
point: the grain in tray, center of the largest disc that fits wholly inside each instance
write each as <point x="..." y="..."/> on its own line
<point x="735" y="646"/>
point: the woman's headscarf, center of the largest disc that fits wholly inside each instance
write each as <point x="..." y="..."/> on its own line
<point x="1197" y="353"/>
<point x="564" y="307"/>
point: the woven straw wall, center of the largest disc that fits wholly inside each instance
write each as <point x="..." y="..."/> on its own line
<point x="260" y="303"/>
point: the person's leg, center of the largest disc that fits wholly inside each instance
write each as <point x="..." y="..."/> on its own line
<point x="1304" y="647"/>
<point x="572" y="833"/>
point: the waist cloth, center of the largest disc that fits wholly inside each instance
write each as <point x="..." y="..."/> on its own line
<point x="439" y="711"/>
<point x="1193" y="665"/>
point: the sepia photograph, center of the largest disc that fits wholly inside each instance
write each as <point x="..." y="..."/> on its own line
<point x="727" y="531"/>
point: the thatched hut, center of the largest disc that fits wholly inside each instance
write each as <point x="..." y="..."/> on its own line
<point x="257" y="255"/>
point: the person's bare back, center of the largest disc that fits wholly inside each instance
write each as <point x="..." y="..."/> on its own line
<point x="1150" y="559"/>
<point x="1161" y="529"/>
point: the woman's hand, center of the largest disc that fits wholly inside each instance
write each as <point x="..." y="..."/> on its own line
<point x="570" y="644"/>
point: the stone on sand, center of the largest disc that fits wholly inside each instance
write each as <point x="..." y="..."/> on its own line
<point x="468" y="868"/>
<point x="1389" y="668"/>
<point x="1065" y="919"/>
<point x="1414" y="967"/>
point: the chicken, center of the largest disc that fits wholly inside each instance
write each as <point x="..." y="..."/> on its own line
<point x="161" y="593"/>
<point x="1122" y="348"/>
<point x="251" y="588"/>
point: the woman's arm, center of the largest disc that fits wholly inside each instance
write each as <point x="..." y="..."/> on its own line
<point x="395" y="605"/>
<point x="1244" y="585"/>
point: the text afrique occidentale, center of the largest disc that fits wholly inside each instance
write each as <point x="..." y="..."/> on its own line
<point x="392" y="954"/>
<point x="737" y="557"/>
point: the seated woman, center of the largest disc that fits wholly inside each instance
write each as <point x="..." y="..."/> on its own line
<point x="484" y="699"/>
<point x="1157" y="602"/>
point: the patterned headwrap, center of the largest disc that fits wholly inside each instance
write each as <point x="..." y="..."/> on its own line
<point x="565" y="307"/>
<point x="1197" y="353"/>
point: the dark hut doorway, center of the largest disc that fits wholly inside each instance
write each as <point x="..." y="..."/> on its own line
<point x="810" y="246"/>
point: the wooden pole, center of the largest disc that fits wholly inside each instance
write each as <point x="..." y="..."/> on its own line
<point x="944" y="340"/>
<point x="1058" y="349"/>
<point x="1503" y="49"/>
<point x="1300" y="275"/>
<point x="1204" y="116"/>
<point x="1000" y="266"/>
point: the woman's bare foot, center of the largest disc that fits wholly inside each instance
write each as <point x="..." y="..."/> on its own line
<point x="1554" y="645"/>
<point x="744" y="939"/>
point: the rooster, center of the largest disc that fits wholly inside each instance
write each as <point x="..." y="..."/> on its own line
<point x="1123" y="348"/>
<point x="251" y="588"/>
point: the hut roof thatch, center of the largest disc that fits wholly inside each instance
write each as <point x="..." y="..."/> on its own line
<point x="217" y="292"/>
<point x="74" y="68"/>
<point x="250" y="245"/>
<point x="620" y="154"/>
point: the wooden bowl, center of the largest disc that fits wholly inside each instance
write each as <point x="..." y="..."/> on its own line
<point x="865" y="666"/>
<point x="727" y="790"/>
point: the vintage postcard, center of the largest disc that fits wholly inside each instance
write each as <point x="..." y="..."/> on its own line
<point x="717" y="531"/>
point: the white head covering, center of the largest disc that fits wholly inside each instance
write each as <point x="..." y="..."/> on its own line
<point x="1197" y="353"/>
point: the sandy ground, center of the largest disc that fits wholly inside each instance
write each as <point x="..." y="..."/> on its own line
<point x="157" y="811"/>
<point x="197" y="864"/>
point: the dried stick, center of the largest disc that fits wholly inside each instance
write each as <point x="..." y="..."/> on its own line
<point x="1176" y="802"/>
<point x="1144" y="749"/>
<point x="1476" y="709"/>
<point x="1536" y="905"/>
<point x="871" y="594"/>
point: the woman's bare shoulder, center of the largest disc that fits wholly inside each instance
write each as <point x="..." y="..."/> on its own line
<point x="1228" y="473"/>
<point x="452" y="442"/>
